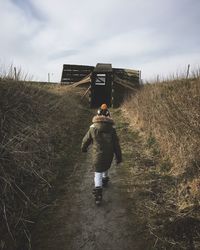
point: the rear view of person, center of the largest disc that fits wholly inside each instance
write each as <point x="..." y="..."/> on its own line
<point x="102" y="135"/>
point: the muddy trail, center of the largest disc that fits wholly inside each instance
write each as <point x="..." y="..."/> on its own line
<point x="128" y="215"/>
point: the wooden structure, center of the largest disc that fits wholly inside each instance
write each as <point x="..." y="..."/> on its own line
<point x="105" y="84"/>
<point x="101" y="85"/>
<point x="74" y="73"/>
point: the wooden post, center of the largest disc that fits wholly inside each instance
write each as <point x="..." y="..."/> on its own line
<point x="85" y="93"/>
<point x="15" y="74"/>
<point x="188" y="71"/>
<point x="140" y="77"/>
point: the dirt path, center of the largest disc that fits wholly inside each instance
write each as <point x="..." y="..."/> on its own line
<point x="83" y="225"/>
<point x="75" y="222"/>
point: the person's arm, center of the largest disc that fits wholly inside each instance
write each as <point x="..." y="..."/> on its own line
<point x="117" y="148"/>
<point x="87" y="140"/>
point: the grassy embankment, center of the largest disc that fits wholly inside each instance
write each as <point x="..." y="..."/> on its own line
<point x="40" y="137"/>
<point x="167" y="115"/>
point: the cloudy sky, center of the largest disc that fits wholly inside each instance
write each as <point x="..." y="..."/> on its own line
<point x="154" y="36"/>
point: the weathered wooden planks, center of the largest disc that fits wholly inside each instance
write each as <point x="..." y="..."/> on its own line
<point x="74" y="73"/>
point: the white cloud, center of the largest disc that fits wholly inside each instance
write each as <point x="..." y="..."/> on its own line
<point x="149" y="35"/>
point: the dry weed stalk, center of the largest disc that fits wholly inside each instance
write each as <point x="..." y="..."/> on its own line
<point x="36" y="129"/>
<point x="13" y="73"/>
<point x="169" y="114"/>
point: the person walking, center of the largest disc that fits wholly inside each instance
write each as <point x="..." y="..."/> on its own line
<point x="105" y="143"/>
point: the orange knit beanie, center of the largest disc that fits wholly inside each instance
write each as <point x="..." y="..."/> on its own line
<point x="104" y="106"/>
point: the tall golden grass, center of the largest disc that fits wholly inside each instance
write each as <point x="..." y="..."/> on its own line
<point x="40" y="135"/>
<point x="170" y="112"/>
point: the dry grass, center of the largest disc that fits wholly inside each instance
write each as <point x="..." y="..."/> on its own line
<point x="168" y="116"/>
<point x="39" y="141"/>
<point x="169" y="112"/>
<point x="13" y="73"/>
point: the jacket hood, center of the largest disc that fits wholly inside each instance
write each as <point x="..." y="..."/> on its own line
<point x="102" y="118"/>
<point x="103" y="123"/>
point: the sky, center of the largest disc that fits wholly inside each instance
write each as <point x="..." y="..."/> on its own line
<point x="158" y="37"/>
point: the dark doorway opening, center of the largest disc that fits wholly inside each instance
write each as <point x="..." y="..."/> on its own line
<point x="101" y="85"/>
<point x="101" y="90"/>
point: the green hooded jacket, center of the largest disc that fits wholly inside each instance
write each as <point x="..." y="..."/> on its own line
<point x="102" y="135"/>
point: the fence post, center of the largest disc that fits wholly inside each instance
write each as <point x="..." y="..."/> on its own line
<point x="188" y="71"/>
<point x="15" y="73"/>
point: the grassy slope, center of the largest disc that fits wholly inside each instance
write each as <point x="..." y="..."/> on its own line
<point x="167" y="114"/>
<point x="40" y="140"/>
<point x="154" y="214"/>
